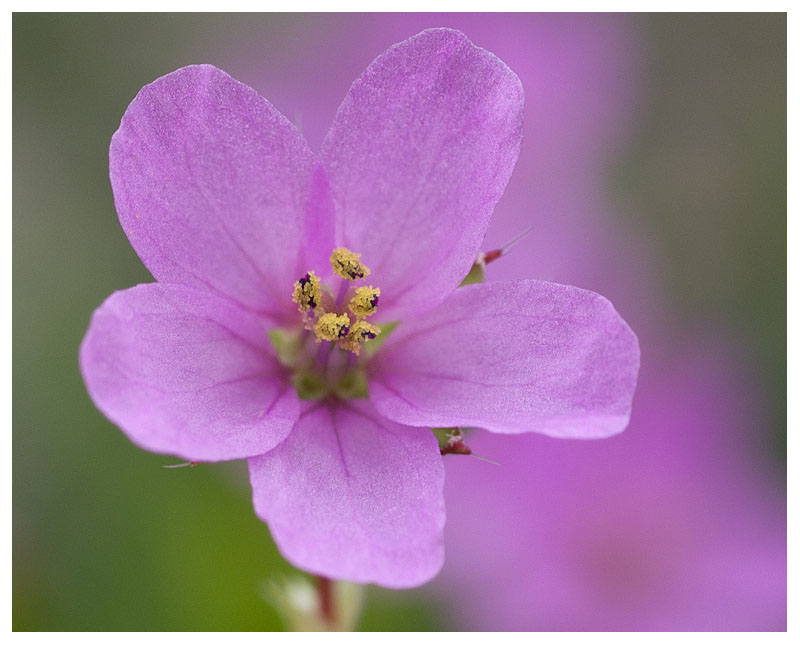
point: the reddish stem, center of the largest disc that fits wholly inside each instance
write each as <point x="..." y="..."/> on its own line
<point x="325" y="590"/>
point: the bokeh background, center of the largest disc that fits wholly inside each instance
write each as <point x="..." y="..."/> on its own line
<point x="653" y="171"/>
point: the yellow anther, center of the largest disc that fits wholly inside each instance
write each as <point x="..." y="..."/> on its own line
<point x="332" y="327"/>
<point x="365" y="301"/>
<point x="306" y="292"/>
<point x="360" y="333"/>
<point x="346" y="265"/>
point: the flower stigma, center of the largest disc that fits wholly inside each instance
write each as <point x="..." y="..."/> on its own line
<point x="333" y="322"/>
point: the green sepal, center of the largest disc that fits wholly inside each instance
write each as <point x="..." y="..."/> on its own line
<point x="353" y="385"/>
<point x="442" y="436"/>
<point x="476" y="275"/>
<point x="374" y="345"/>
<point x="287" y="344"/>
<point x="309" y="385"/>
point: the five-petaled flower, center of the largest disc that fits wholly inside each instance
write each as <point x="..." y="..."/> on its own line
<point x="307" y="314"/>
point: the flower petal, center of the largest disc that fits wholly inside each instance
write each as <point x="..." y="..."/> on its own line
<point x="353" y="496"/>
<point x="419" y="154"/>
<point x="512" y="357"/>
<point x="187" y="373"/>
<point x="212" y="187"/>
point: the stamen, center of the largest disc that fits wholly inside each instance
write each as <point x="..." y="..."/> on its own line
<point x="365" y="301"/>
<point x="346" y="265"/>
<point x="360" y="333"/>
<point x="340" y="320"/>
<point x="332" y="327"/>
<point x="306" y="292"/>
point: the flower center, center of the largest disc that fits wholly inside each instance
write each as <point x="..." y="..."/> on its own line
<point x="339" y="320"/>
<point x="333" y="321"/>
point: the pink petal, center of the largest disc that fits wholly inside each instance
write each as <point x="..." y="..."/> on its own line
<point x="212" y="187"/>
<point x="353" y="496"/>
<point x="512" y="357"/>
<point x="186" y="373"/>
<point x="419" y="154"/>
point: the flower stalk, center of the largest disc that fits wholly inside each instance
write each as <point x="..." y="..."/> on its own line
<point x="318" y="605"/>
<point x="325" y="592"/>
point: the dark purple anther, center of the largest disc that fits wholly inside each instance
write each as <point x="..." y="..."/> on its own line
<point x="374" y="301"/>
<point x="305" y="280"/>
<point x="343" y="332"/>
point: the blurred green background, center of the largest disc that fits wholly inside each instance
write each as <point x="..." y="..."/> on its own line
<point x="104" y="537"/>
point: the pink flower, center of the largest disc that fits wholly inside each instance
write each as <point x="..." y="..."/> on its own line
<point x="277" y="266"/>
